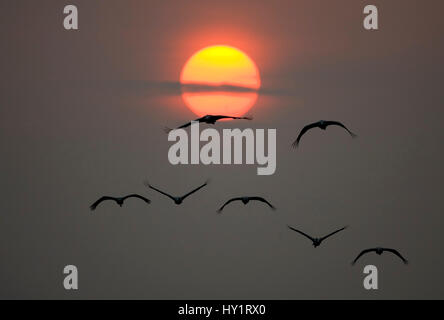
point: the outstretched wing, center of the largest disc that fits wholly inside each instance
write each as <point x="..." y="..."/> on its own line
<point x="263" y="200"/>
<point x="160" y="191"/>
<point x="243" y="118"/>
<point x="303" y="131"/>
<point x="362" y="253"/>
<point x="329" y="235"/>
<point x="304" y="234"/>
<point x="337" y="123"/>
<point x="104" y="198"/>
<point x="137" y="196"/>
<point x="229" y="201"/>
<point x="184" y="125"/>
<point x="218" y="117"/>
<point x="193" y="191"/>
<point x="396" y="252"/>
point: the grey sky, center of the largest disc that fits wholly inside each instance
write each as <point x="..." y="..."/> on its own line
<point x="72" y="129"/>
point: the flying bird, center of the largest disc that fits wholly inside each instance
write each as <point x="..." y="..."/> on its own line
<point x="322" y="124"/>
<point x="210" y="119"/>
<point x="245" y="200"/>
<point x="119" y="201"/>
<point x="177" y="200"/>
<point x="379" y="251"/>
<point x="317" y="241"/>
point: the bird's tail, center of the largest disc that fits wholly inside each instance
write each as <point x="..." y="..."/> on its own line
<point x="249" y="117"/>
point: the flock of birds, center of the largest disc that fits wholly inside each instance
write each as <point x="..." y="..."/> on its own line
<point x="212" y="119"/>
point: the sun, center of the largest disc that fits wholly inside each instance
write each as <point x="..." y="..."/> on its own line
<point x="224" y="79"/>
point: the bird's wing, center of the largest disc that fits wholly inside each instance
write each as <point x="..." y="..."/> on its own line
<point x="193" y="191"/>
<point x="137" y="196"/>
<point x="330" y="234"/>
<point x="337" y="123"/>
<point x="303" y="131"/>
<point x="104" y="198"/>
<point x="160" y="191"/>
<point x="168" y="130"/>
<point x="184" y="125"/>
<point x="263" y="200"/>
<point x="304" y="234"/>
<point x="362" y="253"/>
<point x="189" y="123"/>
<point x="229" y="201"/>
<point x="218" y="117"/>
<point x="244" y="118"/>
<point x="396" y="252"/>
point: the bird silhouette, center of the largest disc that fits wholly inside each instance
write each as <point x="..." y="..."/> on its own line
<point x="177" y="200"/>
<point x="210" y="119"/>
<point x="245" y="200"/>
<point x="119" y="201"/>
<point x="317" y="241"/>
<point x="379" y="251"/>
<point x="322" y="124"/>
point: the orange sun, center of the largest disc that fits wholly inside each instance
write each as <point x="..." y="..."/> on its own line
<point x="224" y="81"/>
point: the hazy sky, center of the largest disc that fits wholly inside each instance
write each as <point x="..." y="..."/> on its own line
<point x="82" y="115"/>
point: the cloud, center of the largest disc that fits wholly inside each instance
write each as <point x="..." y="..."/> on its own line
<point x="176" y="88"/>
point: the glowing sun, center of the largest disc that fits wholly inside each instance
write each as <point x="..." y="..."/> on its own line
<point x="220" y="80"/>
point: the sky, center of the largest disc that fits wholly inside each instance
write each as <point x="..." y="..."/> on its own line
<point x="82" y="115"/>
